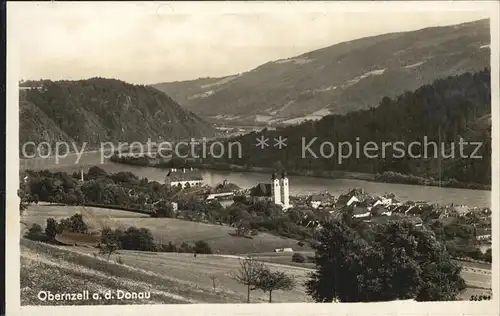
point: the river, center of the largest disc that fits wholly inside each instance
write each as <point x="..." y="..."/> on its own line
<point x="299" y="185"/>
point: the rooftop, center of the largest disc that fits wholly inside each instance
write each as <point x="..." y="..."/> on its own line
<point x="483" y="231"/>
<point x="261" y="189"/>
<point x="183" y="175"/>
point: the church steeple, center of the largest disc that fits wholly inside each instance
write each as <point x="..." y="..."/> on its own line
<point x="276" y="189"/>
<point x="285" y="191"/>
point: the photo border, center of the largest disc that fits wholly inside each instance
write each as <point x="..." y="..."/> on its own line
<point x="15" y="9"/>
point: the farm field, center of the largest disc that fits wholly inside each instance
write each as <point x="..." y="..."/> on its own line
<point x="171" y="277"/>
<point x="285" y="258"/>
<point x="164" y="230"/>
<point x="178" y="278"/>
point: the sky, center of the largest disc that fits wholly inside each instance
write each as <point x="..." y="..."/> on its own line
<point x="149" y="43"/>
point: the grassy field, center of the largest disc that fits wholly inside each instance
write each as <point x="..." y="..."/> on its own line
<point x="171" y="278"/>
<point x="164" y="229"/>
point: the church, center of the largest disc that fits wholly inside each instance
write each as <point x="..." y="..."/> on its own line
<point x="278" y="191"/>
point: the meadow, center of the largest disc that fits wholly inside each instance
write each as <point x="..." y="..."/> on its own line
<point x="164" y="230"/>
<point x="171" y="277"/>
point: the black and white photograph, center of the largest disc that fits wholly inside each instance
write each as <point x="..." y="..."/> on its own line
<point x="253" y="153"/>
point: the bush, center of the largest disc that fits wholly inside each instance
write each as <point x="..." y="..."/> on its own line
<point x="184" y="247"/>
<point x="119" y="260"/>
<point x="202" y="247"/>
<point x="36" y="233"/>
<point x="137" y="239"/>
<point x="74" y="224"/>
<point x="166" y="248"/>
<point x="297" y="257"/>
<point x="487" y="256"/>
<point x="164" y="209"/>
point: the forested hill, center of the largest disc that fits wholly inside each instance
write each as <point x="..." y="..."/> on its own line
<point x="445" y="110"/>
<point x="338" y="79"/>
<point x="98" y="109"/>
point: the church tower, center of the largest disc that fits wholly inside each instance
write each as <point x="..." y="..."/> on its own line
<point x="275" y="189"/>
<point x="285" y="191"/>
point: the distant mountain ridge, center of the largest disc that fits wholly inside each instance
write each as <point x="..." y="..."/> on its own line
<point x="444" y="112"/>
<point x="345" y="77"/>
<point x="98" y="110"/>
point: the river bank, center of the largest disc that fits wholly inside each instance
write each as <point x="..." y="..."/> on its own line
<point x="336" y="184"/>
<point x="386" y="177"/>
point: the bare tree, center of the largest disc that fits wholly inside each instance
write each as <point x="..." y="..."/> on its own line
<point x="108" y="248"/>
<point x="248" y="274"/>
<point x="270" y="281"/>
<point x="109" y="242"/>
<point x="242" y="229"/>
<point x="213" y="277"/>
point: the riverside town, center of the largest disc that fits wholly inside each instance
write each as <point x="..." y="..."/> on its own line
<point x="256" y="159"/>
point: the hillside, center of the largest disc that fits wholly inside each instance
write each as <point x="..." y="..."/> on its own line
<point x="172" y="278"/>
<point x="345" y="77"/>
<point x="164" y="230"/>
<point x="98" y="110"/>
<point x="441" y="112"/>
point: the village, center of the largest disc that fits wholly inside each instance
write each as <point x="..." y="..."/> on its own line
<point x="317" y="209"/>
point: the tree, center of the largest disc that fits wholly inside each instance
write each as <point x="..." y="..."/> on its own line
<point x="138" y="239"/>
<point x="297" y="257"/>
<point x="248" y="274"/>
<point x="35" y="233"/>
<point x="487" y="255"/>
<point x="213" y="278"/>
<point x="110" y="242"/>
<point x="51" y="230"/>
<point x="96" y="172"/>
<point x="164" y="209"/>
<point x="242" y="228"/>
<point x="336" y="264"/>
<point x="400" y="262"/>
<point x="270" y="281"/>
<point x="24" y="195"/>
<point x="74" y="224"/>
<point x="202" y="247"/>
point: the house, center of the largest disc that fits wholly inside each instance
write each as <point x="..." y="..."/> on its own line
<point x="220" y="196"/>
<point x="261" y="192"/>
<point x="225" y="186"/>
<point x="25" y="88"/>
<point x="225" y="199"/>
<point x="383" y="201"/>
<point x="379" y="210"/>
<point x="161" y="203"/>
<point x="483" y="234"/>
<point x="277" y="191"/>
<point x="320" y="200"/>
<point x="355" y="195"/>
<point x="461" y="210"/>
<point x="413" y="210"/>
<point x="361" y="212"/>
<point x="283" y="250"/>
<point x="184" y="178"/>
<point x="175" y="206"/>
<point x="417" y="221"/>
